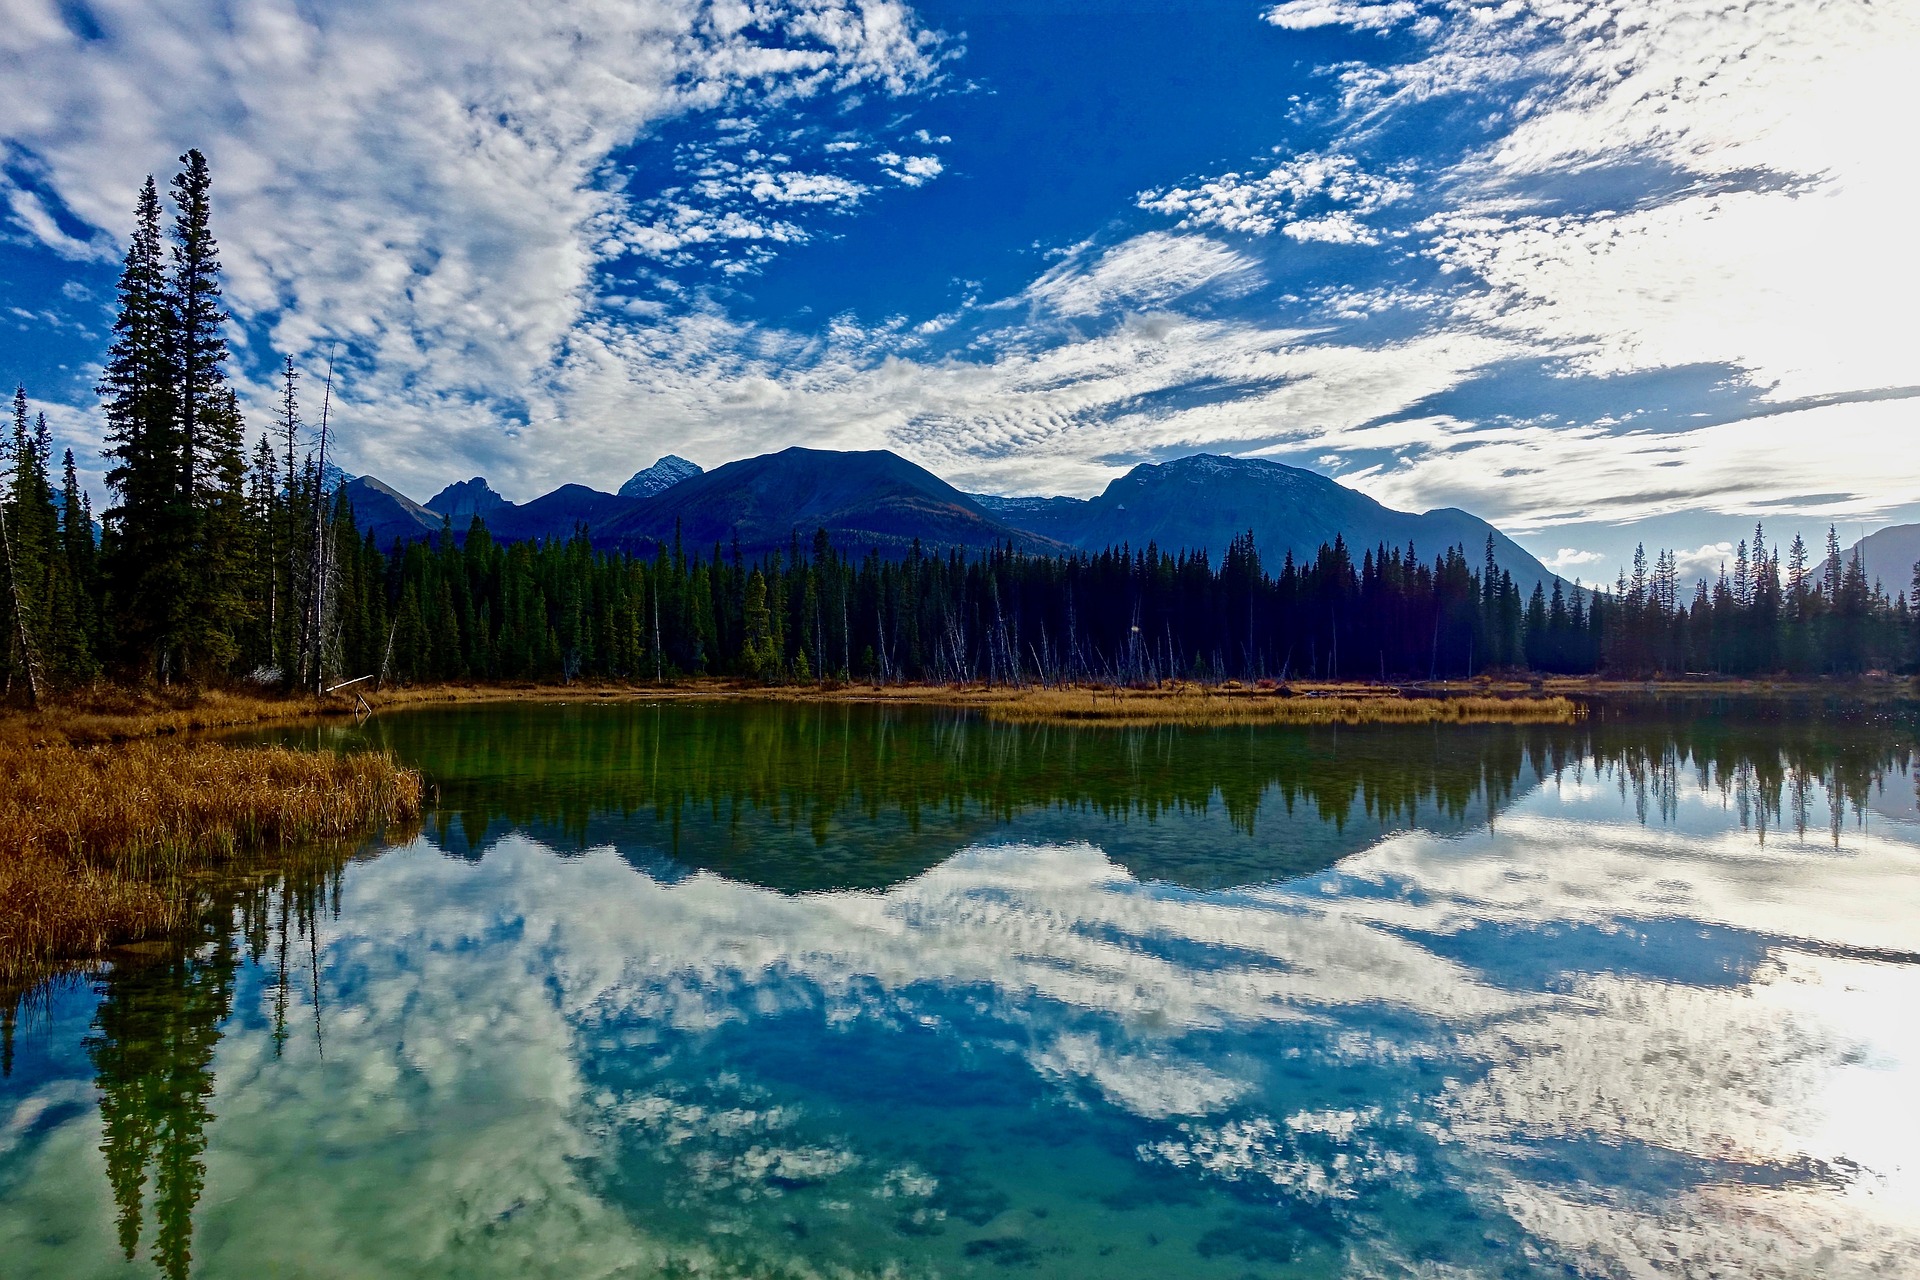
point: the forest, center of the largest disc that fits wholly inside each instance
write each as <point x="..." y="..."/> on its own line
<point x="216" y="563"/>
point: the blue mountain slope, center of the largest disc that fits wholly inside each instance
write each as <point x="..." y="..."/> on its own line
<point x="865" y="500"/>
<point x="559" y="514"/>
<point x="461" y="502"/>
<point x="1205" y="501"/>
<point x="877" y="500"/>
<point x="389" y="515"/>
<point x="1890" y="555"/>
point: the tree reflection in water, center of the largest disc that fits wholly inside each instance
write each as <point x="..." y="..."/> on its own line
<point x="804" y="799"/>
<point x="155" y="1031"/>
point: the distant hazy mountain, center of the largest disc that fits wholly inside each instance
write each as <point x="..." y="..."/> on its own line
<point x="461" y="502"/>
<point x="1204" y="501"/>
<point x="1889" y="555"/>
<point x="388" y="514"/>
<point x="872" y="499"/>
<point x="659" y="477"/>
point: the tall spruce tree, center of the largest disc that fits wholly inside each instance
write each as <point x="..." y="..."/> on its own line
<point x="222" y="604"/>
<point x="199" y="339"/>
<point x="177" y="537"/>
<point x="211" y="429"/>
<point x="148" y="530"/>
<point x="78" y="627"/>
<point x="26" y="547"/>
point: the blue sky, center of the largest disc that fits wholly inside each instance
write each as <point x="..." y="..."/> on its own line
<point x="1599" y="272"/>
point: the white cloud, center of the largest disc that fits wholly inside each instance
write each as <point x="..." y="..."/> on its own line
<point x="1150" y="270"/>
<point x="1259" y="204"/>
<point x="428" y="182"/>
<point x="1570" y="558"/>
<point x="912" y="171"/>
<point x="1339" y="227"/>
<point x="1537" y="476"/>
<point x="31" y="214"/>
<point x="1304" y="15"/>
<point x="1788" y="116"/>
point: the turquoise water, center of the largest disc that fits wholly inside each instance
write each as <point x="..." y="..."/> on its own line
<point x="778" y="991"/>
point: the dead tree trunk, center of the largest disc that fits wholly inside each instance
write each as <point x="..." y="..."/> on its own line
<point x="29" y="656"/>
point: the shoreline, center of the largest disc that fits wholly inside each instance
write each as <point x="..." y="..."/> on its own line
<point x="117" y="821"/>
<point x="115" y="716"/>
<point x="117" y="805"/>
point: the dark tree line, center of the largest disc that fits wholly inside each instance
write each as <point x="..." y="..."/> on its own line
<point x="474" y="609"/>
<point x="211" y="564"/>
<point x="205" y="565"/>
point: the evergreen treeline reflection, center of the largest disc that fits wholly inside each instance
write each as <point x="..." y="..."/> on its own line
<point x="159" y="1020"/>
<point x="805" y="798"/>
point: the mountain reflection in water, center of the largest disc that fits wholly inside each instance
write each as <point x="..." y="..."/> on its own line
<point x="836" y="990"/>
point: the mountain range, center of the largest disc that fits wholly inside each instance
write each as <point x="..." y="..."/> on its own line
<point x="1205" y="500"/>
<point x="876" y="500"/>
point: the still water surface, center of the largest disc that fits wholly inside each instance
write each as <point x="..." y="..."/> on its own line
<point x="737" y="990"/>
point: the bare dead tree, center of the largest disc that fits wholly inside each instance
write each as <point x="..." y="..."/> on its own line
<point x="659" y="671"/>
<point x="23" y="633"/>
<point x="317" y="623"/>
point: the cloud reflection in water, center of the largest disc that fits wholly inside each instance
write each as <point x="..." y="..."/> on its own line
<point x="1571" y="1037"/>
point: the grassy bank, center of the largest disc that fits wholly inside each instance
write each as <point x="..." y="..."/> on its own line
<point x="1555" y="699"/>
<point x="103" y="834"/>
<point x="1208" y="705"/>
<point x="1192" y="704"/>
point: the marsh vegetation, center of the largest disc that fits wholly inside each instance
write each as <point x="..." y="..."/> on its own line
<point x="110" y="820"/>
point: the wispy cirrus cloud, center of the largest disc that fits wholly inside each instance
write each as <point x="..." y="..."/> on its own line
<point x="1147" y="271"/>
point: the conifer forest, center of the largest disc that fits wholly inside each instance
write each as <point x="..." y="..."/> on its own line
<point x="227" y="552"/>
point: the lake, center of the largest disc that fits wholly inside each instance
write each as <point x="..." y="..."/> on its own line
<point x="737" y="989"/>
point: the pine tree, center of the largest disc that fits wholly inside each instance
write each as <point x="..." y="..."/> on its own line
<point x="78" y="553"/>
<point x="148" y="533"/>
<point x="263" y="562"/>
<point x="284" y="602"/>
<point x="219" y="572"/>
<point x="210" y="427"/>
<point x="757" y="652"/>
<point x="1835" y="569"/>
<point x="1797" y="570"/>
<point x="199" y="341"/>
<point x="27" y="538"/>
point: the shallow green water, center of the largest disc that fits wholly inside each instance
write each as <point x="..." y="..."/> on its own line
<point x="779" y="991"/>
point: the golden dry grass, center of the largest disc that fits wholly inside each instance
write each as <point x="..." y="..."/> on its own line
<point x="1351" y="702"/>
<point x="98" y="842"/>
<point x="1204" y="709"/>
<point x="1205" y="706"/>
<point x="114" y="714"/>
<point x="110" y="714"/>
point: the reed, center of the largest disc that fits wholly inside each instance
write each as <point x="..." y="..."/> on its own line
<point x="100" y="845"/>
